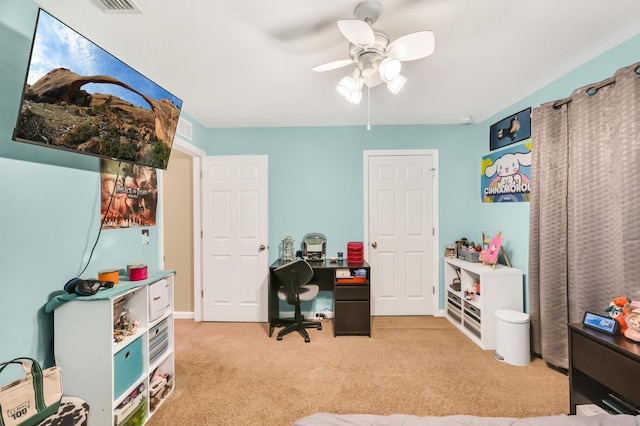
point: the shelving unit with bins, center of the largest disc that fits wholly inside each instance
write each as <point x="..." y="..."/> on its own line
<point x="117" y="378"/>
<point x="352" y="302"/>
<point x="500" y="288"/>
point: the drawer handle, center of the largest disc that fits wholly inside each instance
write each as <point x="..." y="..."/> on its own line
<point x="157" y="298"/>
<point x="127" y="355"/>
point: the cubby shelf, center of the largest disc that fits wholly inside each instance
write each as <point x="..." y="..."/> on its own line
<point x="116" y="377"/>
<point x="500" y="288"/>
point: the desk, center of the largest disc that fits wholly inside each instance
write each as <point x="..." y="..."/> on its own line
<point x="351" y="301"/>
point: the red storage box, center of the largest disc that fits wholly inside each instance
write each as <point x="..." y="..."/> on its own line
<point x="355" y="252"/>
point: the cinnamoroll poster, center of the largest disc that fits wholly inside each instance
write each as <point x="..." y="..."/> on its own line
<point x="506" y="175"/>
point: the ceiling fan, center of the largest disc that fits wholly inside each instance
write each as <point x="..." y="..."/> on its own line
<point x="377" y="59"/>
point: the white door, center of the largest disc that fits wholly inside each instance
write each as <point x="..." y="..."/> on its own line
<point x="402" y="214"/>
<point x="234" y="238"/>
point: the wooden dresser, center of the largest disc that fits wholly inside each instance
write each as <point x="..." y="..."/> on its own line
<point x="601" y="365"/>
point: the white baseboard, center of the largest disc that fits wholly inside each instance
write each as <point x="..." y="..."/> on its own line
<point x="184" y="315"/>
<point x="309" y="314"/>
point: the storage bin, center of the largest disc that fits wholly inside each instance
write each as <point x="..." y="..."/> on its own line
<point x="158" y="340"/>
<point x="512" y="337"/>
<point x="469" y="256"/>
<point x="127" y="367"/>
<point x="158" y="299"/>
<point x="355" y="252"/>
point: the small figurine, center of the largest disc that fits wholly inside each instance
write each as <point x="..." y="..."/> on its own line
<point x="124" y="327"/>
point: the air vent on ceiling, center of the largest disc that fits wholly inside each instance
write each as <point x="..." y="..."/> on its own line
<point x="184" y="129"/>
<point x="118" y="6"/>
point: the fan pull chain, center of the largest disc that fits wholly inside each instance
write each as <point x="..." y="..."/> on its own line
<point x="368" y="108"/>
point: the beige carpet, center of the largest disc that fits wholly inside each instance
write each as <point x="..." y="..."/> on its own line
<point x="234" y="374"/>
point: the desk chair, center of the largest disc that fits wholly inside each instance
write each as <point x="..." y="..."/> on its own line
<point x="294" y="277"/>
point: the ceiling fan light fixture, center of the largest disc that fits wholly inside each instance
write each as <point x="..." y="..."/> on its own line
<point x="356" y="94"/>
<point x="354" y="97"/>
<point x="346" y="85"/>
<point x="396" y="84"/>
<point x="349" y="83"/>
<point x="389" y="68"/>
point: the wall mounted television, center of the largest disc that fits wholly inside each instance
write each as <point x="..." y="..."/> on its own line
<point x="78" y="97"/>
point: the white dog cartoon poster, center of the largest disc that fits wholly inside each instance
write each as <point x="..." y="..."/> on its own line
<point x="506" y="175"/>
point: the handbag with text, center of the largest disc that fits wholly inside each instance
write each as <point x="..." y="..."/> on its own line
<point x="30" y="400"/>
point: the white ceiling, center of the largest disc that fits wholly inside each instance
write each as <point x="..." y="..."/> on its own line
<point x="247" y="63"/>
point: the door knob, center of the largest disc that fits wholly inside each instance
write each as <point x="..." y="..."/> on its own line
<point x="262" y="247"/>
<point x="374" y="244"/>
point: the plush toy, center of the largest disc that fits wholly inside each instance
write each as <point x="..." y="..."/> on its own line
<point x="618" y="309"/>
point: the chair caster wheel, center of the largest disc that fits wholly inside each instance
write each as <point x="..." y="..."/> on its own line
<point x="307" y="340"/>
<point x="320" y="327"/>
<point x="279" y="337"/>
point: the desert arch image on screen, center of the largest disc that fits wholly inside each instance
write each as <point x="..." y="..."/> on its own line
<point x="78" y="97"/>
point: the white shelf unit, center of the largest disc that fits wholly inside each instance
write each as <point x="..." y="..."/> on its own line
<point x="500" y="288"/>
<point x="106" y="373"/>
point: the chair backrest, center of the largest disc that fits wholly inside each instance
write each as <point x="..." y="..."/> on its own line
<point x="291" y="276"/>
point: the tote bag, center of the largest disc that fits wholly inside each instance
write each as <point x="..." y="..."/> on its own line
<point x="29" y="400"/>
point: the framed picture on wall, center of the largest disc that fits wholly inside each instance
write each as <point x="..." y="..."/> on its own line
<point x="512" y="129"/>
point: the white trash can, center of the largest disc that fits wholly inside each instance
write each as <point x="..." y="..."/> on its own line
<point x="512" y="337"/>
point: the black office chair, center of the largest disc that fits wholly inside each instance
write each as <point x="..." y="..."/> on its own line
<point x="294" y="277"/>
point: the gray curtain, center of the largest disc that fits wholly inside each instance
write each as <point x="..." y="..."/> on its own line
<point x="584" y="247"/>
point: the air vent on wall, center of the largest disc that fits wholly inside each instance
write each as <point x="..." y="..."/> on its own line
<point x="184" y="129"/>
<point x="118" y="6"/>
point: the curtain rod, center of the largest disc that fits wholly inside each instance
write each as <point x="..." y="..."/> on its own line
<point x="591" y="90"/>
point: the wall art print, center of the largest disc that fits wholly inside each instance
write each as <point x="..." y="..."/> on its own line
<point x="135" y="195"/>
<point x="512" y="129"/>
<point x="506" y="175"/>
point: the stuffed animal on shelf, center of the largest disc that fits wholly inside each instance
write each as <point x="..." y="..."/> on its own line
<point x="618" y="310"/>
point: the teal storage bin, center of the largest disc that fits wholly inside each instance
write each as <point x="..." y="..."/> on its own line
<point x="127" y="367"/>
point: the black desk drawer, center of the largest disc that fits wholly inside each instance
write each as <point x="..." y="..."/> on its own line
<point x="352" y="317"/>
<point x="591" y="357"/>
<point x="351" y="292"/>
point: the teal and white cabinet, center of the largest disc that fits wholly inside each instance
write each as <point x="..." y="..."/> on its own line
<point x="124" y="376"/>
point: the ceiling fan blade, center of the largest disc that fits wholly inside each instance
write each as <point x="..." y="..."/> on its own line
<point x="332" y="65"/>
<point x="413" y="46"/>
<point x="357" y="32"/>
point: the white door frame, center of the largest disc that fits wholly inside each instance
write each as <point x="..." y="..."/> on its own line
<point x="196" y="154"/>
<point x="436" y="198"/>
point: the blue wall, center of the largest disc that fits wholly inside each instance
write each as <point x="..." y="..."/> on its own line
<point x="49" y="216"/>
<point x="49" y="213"/>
